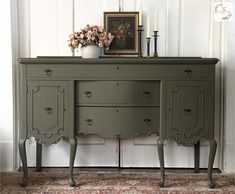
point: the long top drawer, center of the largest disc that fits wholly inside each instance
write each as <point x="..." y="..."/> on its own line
<point x="116" y="71"/>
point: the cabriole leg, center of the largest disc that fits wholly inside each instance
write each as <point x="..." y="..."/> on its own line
<point x="160" y="145"/>
<point x="22" y="151"/>
<point x="73" y="148"/>
<point x="213" y="146"/>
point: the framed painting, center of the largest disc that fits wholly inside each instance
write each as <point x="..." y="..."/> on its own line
<point x="124" y="26"/>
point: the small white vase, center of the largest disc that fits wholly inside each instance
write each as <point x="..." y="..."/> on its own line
<point x="90" y="51"/>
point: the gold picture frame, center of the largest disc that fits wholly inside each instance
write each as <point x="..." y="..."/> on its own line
<point x="124" y="26"/>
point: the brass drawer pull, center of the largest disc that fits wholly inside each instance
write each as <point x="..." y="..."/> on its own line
<point x="118" y="135"/>
<point x="147" y="121"/>
<point x="88" y="94"/>
<point x="188" y="71"/>
<point x="187" y="110"/>
<point x="89" y="122"/>
<point x="48" y="72"/>
<point x="146" y="94"/>
<point x="48" y="110"/>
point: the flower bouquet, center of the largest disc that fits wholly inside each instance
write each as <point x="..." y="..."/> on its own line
<point x="90" y="35"/>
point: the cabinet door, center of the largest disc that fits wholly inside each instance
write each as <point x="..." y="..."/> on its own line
<point x="47" y="110"/>
<point x="188" y="107"/>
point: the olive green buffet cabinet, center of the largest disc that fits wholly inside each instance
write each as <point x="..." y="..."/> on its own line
<point x="116" y="98"/>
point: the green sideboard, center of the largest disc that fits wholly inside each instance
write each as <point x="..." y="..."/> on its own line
<point x="117" y="98"/>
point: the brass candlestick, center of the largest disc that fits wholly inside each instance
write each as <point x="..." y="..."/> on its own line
<point x="140" y="29"/>
<point x="155" y="36"/>
<point x="148" y="46"/>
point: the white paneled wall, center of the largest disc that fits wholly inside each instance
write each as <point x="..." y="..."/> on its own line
<point x="91" y="151"/>
<point x="229" y="29"/>
<point x="6" y="97"/>
<point x="50" y="24"/>
<point x="195" y="23"/>
<point x="173" y="28"/>
<point x="148" y="8"/>
<point x="185" y="28"/>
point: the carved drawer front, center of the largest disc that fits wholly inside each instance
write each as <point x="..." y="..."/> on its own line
<point x="110" y="122"/>
<point x="123" y="71"/>
<point x="47" y="110"/>
<point x="94" y="93"/>
<point x="188" y="108"/>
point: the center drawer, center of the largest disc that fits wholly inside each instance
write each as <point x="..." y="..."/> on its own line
<point x="108" y="122"/>
<point x="96" y="93"/>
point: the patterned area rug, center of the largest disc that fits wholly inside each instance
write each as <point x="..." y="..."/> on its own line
<point x="120" y="182"/>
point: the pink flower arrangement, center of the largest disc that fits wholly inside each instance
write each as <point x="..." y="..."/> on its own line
<point x="91" y="34"/>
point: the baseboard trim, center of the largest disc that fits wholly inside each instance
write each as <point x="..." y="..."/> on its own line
<point x="6" y="151"/>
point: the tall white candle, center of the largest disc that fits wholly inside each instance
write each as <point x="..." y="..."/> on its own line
<point x="148" y="26"/>
<point x="155" y="21"/>
<point x="140" y="14"/>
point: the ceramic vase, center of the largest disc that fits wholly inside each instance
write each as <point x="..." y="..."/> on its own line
<point x="90" y="51"/>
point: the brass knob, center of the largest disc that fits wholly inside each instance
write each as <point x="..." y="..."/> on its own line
<point x="118" y="135"/>
<point x="147" y="121"/>
<point x="146" y="93"/>
<point x="48" y="72"/>
<point x="89" y="122"/>
<point x="48" y="110"/>
<point x="187" y="110"/>
<point x="88" y="94"/>
<point x="188" y="71"/>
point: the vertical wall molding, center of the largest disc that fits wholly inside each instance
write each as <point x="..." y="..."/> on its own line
<point x="222" y="77"/>
<point x="211" y="27"/>
<point x="73" y="20"/>
<point x="167" y="28"/>
<point x="120" y="5"/>
<point x="223" y="39"/>
<point x="29" y="28"/>
<point x="223" y="60"/>
<point x="181" y="28"/>
<point x="24" y="28"/>
<point x="73" y="15"/>
<point x="15" y="81"/>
